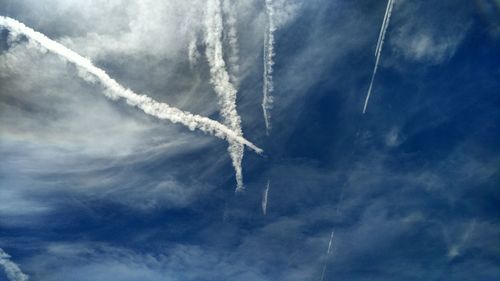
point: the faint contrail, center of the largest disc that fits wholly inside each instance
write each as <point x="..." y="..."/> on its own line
<point x="225" y="90"/>
<point x="265" y="197"/>
<point x="193" y="54"/>
<point x="232" y="36"/>
<point x="378" y="49"/>
<point x="114" y="90"/>
<point x="330" y="244"/>
<point x="11" y="269"/>
<point x="455" y="249"/>
<point x="268" y="87"/>
<point x="328" y="253"/>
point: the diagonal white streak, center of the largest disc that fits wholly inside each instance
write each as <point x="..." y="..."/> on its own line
<point x="11" y="269"/>
<point x="265" y="197"/>
<point x="232" y="37"/>
<point x="114" y="90"/>
<point x="383" y="27"/>
<point x="328" y="253"/>
<point x="225" y="90"/>
<point x="330" y="243"/>
<point x="268" y="87"/>
<point x="378" y="50"/>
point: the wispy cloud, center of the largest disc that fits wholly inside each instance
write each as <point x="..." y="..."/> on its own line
<point x="114" y="90"/>
<point x="11" y="269"/>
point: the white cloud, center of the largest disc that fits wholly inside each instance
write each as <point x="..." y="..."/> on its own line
<point x="427" y="32"/>
<point x="12" y="270"/>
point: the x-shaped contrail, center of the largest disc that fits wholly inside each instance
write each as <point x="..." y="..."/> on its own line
<point x="115" y="91"/>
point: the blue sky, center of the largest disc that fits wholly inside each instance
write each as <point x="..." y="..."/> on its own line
<point x="92" y="189"/>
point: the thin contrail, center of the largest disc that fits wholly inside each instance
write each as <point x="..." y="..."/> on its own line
<point x="383" y="27"/>
<point x="265" y="196"/>
<point x="11" y="269"/>
<point x="378" y="49"/>
<point x="114" y="90"/>
<point x="268" y="87"/>
<point x="328" y="253"/>
<point x="225" y="90"/>
<point x="330" y="244"/>
<point x="232" y="36"/>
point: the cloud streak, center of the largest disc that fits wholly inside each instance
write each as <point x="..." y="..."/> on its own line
<point x="114" y="90"/>
<point x="328" y="253"/>
<point x="232" y="36"/>
<point x="268" y="87"/>
<point x="225" y="90"/>
<point x="11" y="269"/>
<point x="193" y="54"/>
<point x="378" y="49"/>
<point x="265" y="198"/>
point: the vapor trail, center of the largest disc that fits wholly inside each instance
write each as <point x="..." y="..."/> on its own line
<point x="232" y="36"/>
<point x="11" y="269"/>
<point x="330" y="244"/>
<point x="193" y="54"/>
<point x="378" y="49"/>
<point x="225" y="90"/>
<point x="264" y="198"/>
<point x="268" y="87"/>
<point x="114" y="90"/>
<point x="383" y="27"/>
<point x="328" y="253"/>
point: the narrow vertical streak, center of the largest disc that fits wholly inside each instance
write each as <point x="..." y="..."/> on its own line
<point x="232" y="37"/>
<point x="268" y="55"/>
<point x="265" y="197"/>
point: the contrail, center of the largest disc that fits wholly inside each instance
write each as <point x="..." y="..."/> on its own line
<point x="264" y="198"/>
<point x="11" y="269"/>
<point x="378" y="49"/>
<point x="225" y="90"/>
<point x="330" y="244"/>
<point x="383" y="27"/>
<point x="328" y="253"/>
<point x="268" y="87"/>
<point x="232" y="36"/>
<point x="193" y="54"/>
<point x="114" y="90"/>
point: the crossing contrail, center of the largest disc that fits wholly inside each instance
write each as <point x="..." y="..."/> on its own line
<point x="378" y="49"/>
<point x="225" y="90"/>
<point x="11" y="269"/>
<point x="232" y="36"/>
<point x="268" y="87"/>
<point x="265" y="196"/>
<point x="114" y="90"/>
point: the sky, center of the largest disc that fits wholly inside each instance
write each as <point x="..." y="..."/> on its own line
<point x="97" y="184"/>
